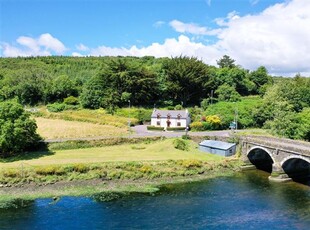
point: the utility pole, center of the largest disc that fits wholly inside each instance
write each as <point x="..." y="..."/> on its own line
<point x="129" y="116"/>
<point x="236" y="117"/>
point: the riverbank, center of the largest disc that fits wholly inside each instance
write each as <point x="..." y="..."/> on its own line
<point x="107" y="189"/>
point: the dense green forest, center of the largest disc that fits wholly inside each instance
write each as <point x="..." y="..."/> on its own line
<point x="279" y="104"/>
<point x="102" y="81"/>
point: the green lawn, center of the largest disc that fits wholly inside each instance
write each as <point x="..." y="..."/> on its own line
<point x="156" y="151"/>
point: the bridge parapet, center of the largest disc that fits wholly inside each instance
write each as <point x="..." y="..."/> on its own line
<point x="280" y="150"/>
<point x="279" y="144"/>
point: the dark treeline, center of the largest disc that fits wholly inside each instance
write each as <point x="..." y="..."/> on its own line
<point x="109" y="82"/>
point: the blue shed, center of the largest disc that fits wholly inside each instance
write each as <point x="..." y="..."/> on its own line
<point x="218" y="147"/>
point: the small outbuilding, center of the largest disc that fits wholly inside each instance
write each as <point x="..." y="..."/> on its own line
<point x="218" y="147"/>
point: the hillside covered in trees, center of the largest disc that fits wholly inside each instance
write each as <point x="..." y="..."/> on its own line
<point x="115" y="82"/>
<point x="101" y="81"/>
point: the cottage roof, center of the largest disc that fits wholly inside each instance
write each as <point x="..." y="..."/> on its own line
<point x="172" y="113"/>
<point x="217" y="144"/>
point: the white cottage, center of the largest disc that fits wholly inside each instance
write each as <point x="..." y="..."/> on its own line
<point x="170" y="118"/>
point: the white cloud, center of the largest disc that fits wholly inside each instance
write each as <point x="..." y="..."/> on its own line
<point x="82" y="47"/>
<point x="76" y="54"/>
<point x="254" y="2"/>
<point x="208" y="2"/>
<point x="49" y="42"/>
<point x="191" y="28"/>
<point x="158" y="24"/>
<point x="170" y="47"/>
<point x="278" y="38"/>
<point x="224" y="21"/>
<point x="44" y="45"/>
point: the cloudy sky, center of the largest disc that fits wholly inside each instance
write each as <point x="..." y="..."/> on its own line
<point x="272" y="33"/>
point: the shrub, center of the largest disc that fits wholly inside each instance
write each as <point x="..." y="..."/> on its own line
<point x="56" y="107"/>
<point x="178" y="107"/>
<point x="181" y="144"/>
<point x="150" y="127"/>
<point x="11" y="173"/>
<point x="18" y="130"/>
<point x="146" y="169"/>
<point x="80" y="168"/>
<point x="186" y="137"/>
<point x="191" y="163"/>
<point x="197" y="126"/>
<point x="71" y="100"/>
<point x="44" y="171"/>
<point x="212" y="122"/>
<point x="175" y="128"/>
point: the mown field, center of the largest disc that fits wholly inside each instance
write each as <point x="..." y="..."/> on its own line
<point x="154" y="151"/>
<point x="58" y="128"/>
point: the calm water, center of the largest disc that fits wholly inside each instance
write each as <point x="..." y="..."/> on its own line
<point x="245" y="201"/>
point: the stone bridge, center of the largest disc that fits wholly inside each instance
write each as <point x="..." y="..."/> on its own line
<point x="285" y="159"/>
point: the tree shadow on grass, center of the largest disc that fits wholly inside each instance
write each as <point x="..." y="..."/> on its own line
<point x="42" y="151"/>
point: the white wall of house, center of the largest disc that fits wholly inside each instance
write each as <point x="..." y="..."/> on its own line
<point x="174" y="122"/>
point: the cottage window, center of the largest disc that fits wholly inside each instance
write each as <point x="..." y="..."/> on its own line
<point x="158" y="116"/>
<point x="158" y="123"/>
<point x="168" y="116"/>
<point x="178" y="123"/>
<point x="179" y="117"/>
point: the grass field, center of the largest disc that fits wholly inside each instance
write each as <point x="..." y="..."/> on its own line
<point x="98" y="116"/>
<point x="156" y="151"/>
<point x="57" y="128"/>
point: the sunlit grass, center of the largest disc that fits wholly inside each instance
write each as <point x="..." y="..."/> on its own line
<point x="157" y="151"/>
<point x="98" y="116"/>
<point x="57" y="128"/>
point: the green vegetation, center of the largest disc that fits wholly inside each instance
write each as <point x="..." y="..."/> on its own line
<point x="155" y="128"/>
<point x="131" y="170"/>
<point x="17" y="130"/>
<point x="113" y="150"/>
<point x="114" y="82"/>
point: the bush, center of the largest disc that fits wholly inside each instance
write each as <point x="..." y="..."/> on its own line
<point x="18" y="131"/>
<point x="56" y="107"/>
<point x="212" y="122"/>
<point x="181" y="144"/>
<point x="197" y="126"/>
<point x="186" y="137"/>
<point x="151" y="127"/>
<point x="175" y="128"/>
<point x="81" y="168"/>
<point x="71" y="100"/>
<point x="191" y="163"/>
<point x="178" y="107"/>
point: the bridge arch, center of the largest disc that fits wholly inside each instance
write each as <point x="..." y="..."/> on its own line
<point x="261" y="157"/>
<point x="294" y="156"/>
<point x="297" y="167"/>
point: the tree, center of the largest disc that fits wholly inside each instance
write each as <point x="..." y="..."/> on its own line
<point x="185" y="78"/>
<point x="226" y="61"/>
<point x="61" y="87"/>
<point x="227" y="93"/>
<point x="133" y="79"/>
<point x="260" y="77"/>
<point x="17" y="130"/>
<point x="93" y="93"/>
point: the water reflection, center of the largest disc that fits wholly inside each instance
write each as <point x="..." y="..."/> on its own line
<point x="246" y="200"/>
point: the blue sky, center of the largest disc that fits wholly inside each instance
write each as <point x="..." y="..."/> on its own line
<point x="272" y="33"/>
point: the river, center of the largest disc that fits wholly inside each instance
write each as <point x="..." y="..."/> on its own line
<point x="246" y="200"/>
